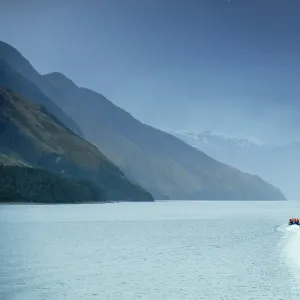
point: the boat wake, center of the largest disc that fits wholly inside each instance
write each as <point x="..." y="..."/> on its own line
<point x="291" y="247"/>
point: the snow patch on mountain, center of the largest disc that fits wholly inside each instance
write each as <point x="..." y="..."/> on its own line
<point x="217" y="139"/>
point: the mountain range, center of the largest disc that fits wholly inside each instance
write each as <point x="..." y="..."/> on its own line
<point x="274" y="161"/>
<point x="84" y="135"/>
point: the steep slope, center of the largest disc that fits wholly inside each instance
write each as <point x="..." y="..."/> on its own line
<point x="18" y="74"/>
<point x="160" y="162"/>
<point x="28" y="131"/>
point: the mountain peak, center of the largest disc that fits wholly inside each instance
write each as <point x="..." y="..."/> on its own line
<point x="9" y="49"/>
<point x="14" y="58"/>
<point x="59" y="80"/>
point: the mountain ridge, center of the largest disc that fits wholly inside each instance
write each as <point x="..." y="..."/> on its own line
<point x="121" y="115"/>
<point x="158" y="161"/>
<point x="13" y="66"/>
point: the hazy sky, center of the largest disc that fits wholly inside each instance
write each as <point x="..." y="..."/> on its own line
<point x="186" y="64"/>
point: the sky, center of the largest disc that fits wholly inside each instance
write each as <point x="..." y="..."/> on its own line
<point x="189" y="65"/>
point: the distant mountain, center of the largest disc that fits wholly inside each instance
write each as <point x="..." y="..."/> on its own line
<point x="277" y="163"/>
<point x="158" y="161"/>
<point x="18" y="74"/>
<point x="30" y="136"/>
<point x="220" y="146"/>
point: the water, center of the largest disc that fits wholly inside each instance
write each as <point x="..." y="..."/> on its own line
<point x="174" y="250"/>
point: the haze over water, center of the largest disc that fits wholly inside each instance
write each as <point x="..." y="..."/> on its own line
<point x="163" y="250"/>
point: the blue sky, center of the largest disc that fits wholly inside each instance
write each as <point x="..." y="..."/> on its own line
<point x="189" y="64"/>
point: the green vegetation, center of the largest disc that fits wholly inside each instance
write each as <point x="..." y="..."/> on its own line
<point x="23" y="184"/>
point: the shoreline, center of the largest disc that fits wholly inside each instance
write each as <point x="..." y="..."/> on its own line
<point x="71" y="203"/>
<point x="44" y="203"/>
<point x="110" y="202"/>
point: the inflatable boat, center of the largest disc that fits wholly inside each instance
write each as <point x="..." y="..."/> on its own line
<point x="294" y="221"/>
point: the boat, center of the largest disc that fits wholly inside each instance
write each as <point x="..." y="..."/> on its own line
<point x="294" y="221"/>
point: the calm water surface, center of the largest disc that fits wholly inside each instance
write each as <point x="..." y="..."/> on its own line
<point x="151" y="251"/>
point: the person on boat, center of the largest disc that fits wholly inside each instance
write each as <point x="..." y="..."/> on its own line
<point x="291" y="221"/>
